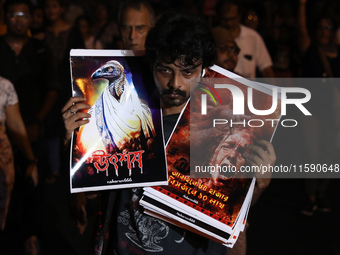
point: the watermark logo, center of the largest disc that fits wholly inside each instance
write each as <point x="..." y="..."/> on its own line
<point x="204" y="96"/>
<point x="239" y="99"/>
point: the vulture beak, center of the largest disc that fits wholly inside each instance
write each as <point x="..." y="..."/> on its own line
<point x="108" y="71"/>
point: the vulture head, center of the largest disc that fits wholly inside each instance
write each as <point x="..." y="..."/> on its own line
<point x="112" y="71"/>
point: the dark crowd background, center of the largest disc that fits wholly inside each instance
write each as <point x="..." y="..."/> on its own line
<point x="276" y="225"/>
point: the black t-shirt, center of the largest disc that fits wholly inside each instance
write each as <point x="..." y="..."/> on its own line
<point x="133" y="232"/>
<point x="169" y="122"/>
<point x="32" y="72"/>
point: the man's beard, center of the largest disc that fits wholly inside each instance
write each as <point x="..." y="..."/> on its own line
<point x="168" y="100"/>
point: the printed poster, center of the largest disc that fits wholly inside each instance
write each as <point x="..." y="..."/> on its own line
<point x="122" y="146"/>
<point x="196" y="145"/>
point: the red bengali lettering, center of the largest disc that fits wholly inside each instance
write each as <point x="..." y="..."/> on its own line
<point x="104" y="160"/>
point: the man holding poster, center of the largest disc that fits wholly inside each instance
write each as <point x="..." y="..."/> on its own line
<point x="179" y="48"/>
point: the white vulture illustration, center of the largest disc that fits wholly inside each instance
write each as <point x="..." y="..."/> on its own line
<point x="119" y="115"/>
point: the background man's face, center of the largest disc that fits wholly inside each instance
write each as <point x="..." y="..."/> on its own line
<point x="38" y="18"/>
<point x="229" y="17"/>
<point x="83" y="26"/>
<point x="174" y="82"/>
<point x="18" y="19"/>
<point x="53" y="10"/>
<point x="227" y="55"/>
<point x="134" y="27"/>
<point x="324" y="33"/>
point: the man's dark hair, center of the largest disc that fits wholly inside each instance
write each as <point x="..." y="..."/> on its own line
<point x="222" y="4"/>
<point x="136" y="5"/>
<point x="63" y="3"/>
<point x="84" y="17"/>
<point x="10" y="3"/>
<point x="176" y="36"/>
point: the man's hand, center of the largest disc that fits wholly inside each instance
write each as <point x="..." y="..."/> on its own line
<point x="73" y="116"/>
<point x="261" y="154"/>
<point x="32" y="245"/>
<point x="32" y="172"/>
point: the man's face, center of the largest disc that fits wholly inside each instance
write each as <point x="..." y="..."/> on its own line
<point x="101" y="12"/>
<point x="38" y="19"/>
<point x="229" y="17"/>
<point x="227" y="55"/>
<point x="53" y="10"/>
<point x="18" y="19"/>
<point x="84" y="27"/>
<point x="174" y="82"/>
<point x="135" y="25"/>
<point x="324" y="32"/>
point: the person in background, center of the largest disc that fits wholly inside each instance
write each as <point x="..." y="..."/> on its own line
<point x="254" y="53"/>
<point x="104" y="29"/>
<point x="10" y="117"/>
<point x="135" y="20"/>
<point x="74" y="10"/>
<point x="321" y="60"/>
<point x="61" y="37"/>
<point x="28" y="64"/>
<point x="251" y="17"/>
<point x="227" y="49"/>
<point x="84" y="24"/>
<point x="38" y="23"/>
